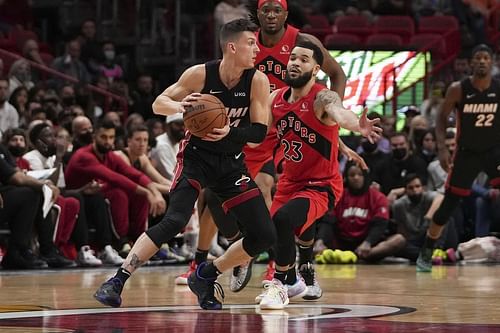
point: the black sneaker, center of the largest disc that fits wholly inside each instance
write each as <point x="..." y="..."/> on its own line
<point x="55" y="260"/>
<point x="25" y="259"/>
<point x="109" y="293"/>
<point x="204" y="289"/>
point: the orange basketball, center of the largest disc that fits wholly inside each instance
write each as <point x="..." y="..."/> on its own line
<point x="205" y="114"/>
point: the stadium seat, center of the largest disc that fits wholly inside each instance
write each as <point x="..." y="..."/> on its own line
<point x="399" y="25"/>
<point x="384" y="41"/>
<point x="358" y="25"/>
<point x="318" y="26"/>
<point x="433" y="42"/>
<point x="447" y="26"/>
<point x="343" y="41"/>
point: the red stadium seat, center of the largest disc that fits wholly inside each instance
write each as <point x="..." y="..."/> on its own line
<point x="318" y="26"/>
<point x="340" y="40"/>
<point x="358" y="25"/>
<point x="433" y="42"/>
<point x="384" y="41"/>
<point x="445" y="25"/>
<point x="399" y="25"/>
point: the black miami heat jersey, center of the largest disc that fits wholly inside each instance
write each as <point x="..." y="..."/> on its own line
<point x="478" y="121"/>
<point x="237" y="103"/>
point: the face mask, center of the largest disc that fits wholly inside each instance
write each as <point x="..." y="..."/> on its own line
<point x="415" y="198"/>
<point x="51" y="150"/>
<point x="109" y="55"/>
<point x="399" y="153"/>
<point x="85" y="138"/>
<point x="17" y="151"/>
<point x="368" y="147"/>
<point x="418" y="135"/>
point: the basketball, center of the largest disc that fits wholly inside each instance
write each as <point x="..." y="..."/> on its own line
<point x="204" y="115"/>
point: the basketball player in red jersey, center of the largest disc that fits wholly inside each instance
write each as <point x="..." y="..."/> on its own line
<point x="307" y="117"/>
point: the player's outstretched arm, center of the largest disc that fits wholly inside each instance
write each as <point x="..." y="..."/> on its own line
<point x="177" y="96"/>
<point x="332" y="105"/>
<point x="453" y="96"/>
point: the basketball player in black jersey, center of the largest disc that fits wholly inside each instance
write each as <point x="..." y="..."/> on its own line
<point x="214" y="161"/>
<point x="476" y="100"/>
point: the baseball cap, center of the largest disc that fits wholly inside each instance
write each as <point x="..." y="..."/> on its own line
<point x="283" y="3"/>
<point x="174" y="117"/>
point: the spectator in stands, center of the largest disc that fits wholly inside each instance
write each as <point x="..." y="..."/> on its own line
<point x="110" y="68"/>
<point x="82" y="131"/>
<point x="133" y="120"/>
<point x="91" y="51"/>
<point x="437" y="176"/>
<point x="20" y="206"/>
<point x="431" y="7"/>
<point x="461" y="67"/>
<point x="143" y="97"/>
<point x="70" y="64"/>
<point x="486" y="201"/>
<point x="374" y="158"/>
<point x="135" y="155"/>
<point x="20" y="75"/>
<point x="51" y="105"/>
<point x="19" y="100"/>
<point x="155" y="127"/>
<point x="410" y="112"/>
<point x="360" y="219"/>
<point x="401" y="163"/>
<point x="31" y="51"/>
<point x="388" y="125"/>
<point x="9" y="118"/>
<point x="164" y="155"/>
<point x="114" y="117"/>
<point x="430" y="106"/>
<point x="122" y="185"/>
<point x="412" y="214"/>
<point x="418" y="127"/>
<point x="15" y="141"/>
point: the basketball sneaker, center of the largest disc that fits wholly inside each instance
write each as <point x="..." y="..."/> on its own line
<point x="183" y="278"/>
<point x="275" y="297"/>
<point x="241" y="276"/>
<point x="205" y="290"/>
<point x="110" y="256"/>
<point x="269" y="274"/>
<point x="109" y="293"/>
<point x="424" y="260"/>
<point x="313" y="291"/>
<point x="297" y="290"/>
<point x="86" y="257"/>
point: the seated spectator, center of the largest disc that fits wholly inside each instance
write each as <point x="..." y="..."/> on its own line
<point x="31" y="51"/>
<point x="430" y="106"/>
<point x="418" y="126"/>
<point x="21" y="202"/>
<point x="412" y="214"/>
<point x="121" y="184"/>
<point x="20" y="75"/>
<point x="437" y="176"/>
<point x="143" y="97"/>
<point x="155" y="127"/>
<point x="110" y="69"/>
<point x="114" y="118"/>
<point x="15" y="141"/>
<point x="69" y="63"/>
<point x="373" y="156"/>
<point x="9" y="118"/>
<point x="426" y="146"/>
<point x="164" y="155"/>
<point x="19" y="100"/>
<point x="135" y="155"/>
<point x="360" y="219"/>
<point x="91" y="52"/>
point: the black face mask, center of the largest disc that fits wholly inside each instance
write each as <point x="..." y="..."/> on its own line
<point x="368" y="147"/>
<point x="85" y="138"/>
<point x="418" y="136"/>
<point x="415" y="198"/>
<point x="399" y="153"/>
<point x="17" y="151"/>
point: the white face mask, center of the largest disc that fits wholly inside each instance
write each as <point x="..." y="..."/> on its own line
<point x="109" y="54"/>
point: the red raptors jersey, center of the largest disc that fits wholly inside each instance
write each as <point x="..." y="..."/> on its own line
<point x="310" y="147"/>
<point x="272" y="62"/>
<point x="355" y="212"/>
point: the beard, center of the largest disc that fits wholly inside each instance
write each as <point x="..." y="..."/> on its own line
<point x="103" y="149"/>
<point x="299" y="81"/>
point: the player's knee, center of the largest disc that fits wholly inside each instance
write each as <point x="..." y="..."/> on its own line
<point x="260" y="242"/>
<point x="445" y="210"/>
<point x="171" y="224"/>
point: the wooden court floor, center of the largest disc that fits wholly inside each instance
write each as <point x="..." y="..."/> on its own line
<point x="357" y="298"/>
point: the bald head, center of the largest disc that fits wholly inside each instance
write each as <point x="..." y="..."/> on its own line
<point x="81" y="125"/>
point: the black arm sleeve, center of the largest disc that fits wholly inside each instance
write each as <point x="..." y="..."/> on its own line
<point x="254" y="133"/>
<point x="377" y="230"/>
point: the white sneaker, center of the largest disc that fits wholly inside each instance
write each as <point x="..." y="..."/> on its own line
<point x="110" y="256"/>
<point x="313" y="288"/>
<point x="276" y="296"/>
<point x="87" y="258"/>
<point x="298" y="289"/>
<point x="241" y="276"/>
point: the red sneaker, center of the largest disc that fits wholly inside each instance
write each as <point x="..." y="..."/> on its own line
<point x="182" y="279"/>
<point x="269" y="274"/>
